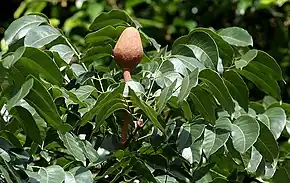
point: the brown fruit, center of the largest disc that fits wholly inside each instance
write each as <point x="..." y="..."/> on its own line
<point x="128" y="50"/>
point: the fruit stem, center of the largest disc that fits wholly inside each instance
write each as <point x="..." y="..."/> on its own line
<point x="127" y="77"/>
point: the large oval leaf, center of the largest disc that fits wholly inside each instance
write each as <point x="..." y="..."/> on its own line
<point x="245" y="132"/>
<point x="32" y="61"/>
<point x="226" y="52"/>
<point x="40" y="99"/>
<point x="236" y="36"/>
<point x="277" y="118"/>
<point x="217" y="87"/>
<point x="266" y="144"/>
<point x="64" y="51"/>
<point x="73" y="146"/>
<point x="215" y="138"/>
<point x="237" y="88"/>
<point x="19" y="28"/>
<point x="204" y="102"/>
<point x="189" y="81"/>
<point x="264" y="82"/>
<point x="41" y="36"/>
<point x="52" y="174"/>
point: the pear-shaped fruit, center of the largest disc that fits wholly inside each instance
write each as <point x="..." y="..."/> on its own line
<point x="128" y="50"/>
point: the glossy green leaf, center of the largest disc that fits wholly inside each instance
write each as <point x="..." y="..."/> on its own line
<point x="165" y="179"/>
<point x="236" y="36"/>
<point x="106" y="34"/>
<point x="26" y="119"/>
<point x="24" y="90"/>
<point x="83" y="92"/>
<point x="165" y="95"/>
<point x="113" y="18"/>
<point x="64" y="51"/>
<point x="182" y="63"/>
<point x="283" y="173"/>
<point x="188" y="82"/>
<point x="19" y="28"/>
<point x="266" y="144"/>
<point x="42" y="102"/>
<point x="106" y="104"/>
<point x="215" y="138"/>
<point x="188" y="134"/>
<point x="69" y="178"/>
<point x="185" y="107"/>
<point x="82" y="175"/>
<point x="245" y="132"/>
<point x="255" y="160"/>
<point x="89" y="151"/>
<point x="217" y="87"/>
<point x="41" y="36"/>
<point x="148" y="111"/>
<point x="261" y="60"/>
<point x="52" y="174"/>
<point x="32" y="61"/>
<point x="277" y="119"/>
<point x="237" y="87"/>
<point x="204" y="102"/>
<point x="73" y="146"/>
<point x="202" y="46"/>
<point x="226" y="52"/>
<point x="246" y="59"/>
<point x="264" y="82"/>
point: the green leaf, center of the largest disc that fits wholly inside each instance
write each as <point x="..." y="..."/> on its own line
<point x="264" y="82"/>
<point x="32" y="61"/>
<point x="261" y="60"/>
<point x="204" y="103"/>
<point x="165" y="179"/>
<point x="19" y="28"/>
<point x="236" y="36"/>
<point x="277" y="118"/>
<point x="165" y="95"/>
<point x="217" y="87"/>
<point x="246" y="59"/>
<point x="7" y="135"/>
<point x="73" y="146"/>
<point x="103" y="35"/>
<point x="106" y="104"/>
<point x="245" y="132"/>
<point x="82" y="175"/>
<point x="113" y="18"/>
<point x="283" y="173"/>
<point x="185" y="107"/>
<point x="135" y="86"/>
<point x="24" y="90"/>
<point x="69" y="178"/>
<point x="226" y="52"/>
<point x="148" y="111"/>
<point x="215" y="138"/>
<point x="42" y="102"/>
<point x="83" y="92"/>
<point x="52" y="174"/>
<point x="64" y="51"/>
<point x="89" y="151"/>
<point x="188" y="134"/>
<point x="26" y="119"/>
<point x="202" y="46"/>
<point x="266" y="144"/>
<point x="5" y="174"/>
<point x="41" y="36"/>
<point x="255" y="160"/>
<point x="142" y="169"/>
<point x="188" y="82"/>
<point x="237" y="88"/>
<point x="182" y="63"/>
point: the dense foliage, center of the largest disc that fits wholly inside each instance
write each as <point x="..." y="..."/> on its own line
<point x="62" y="109"/>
